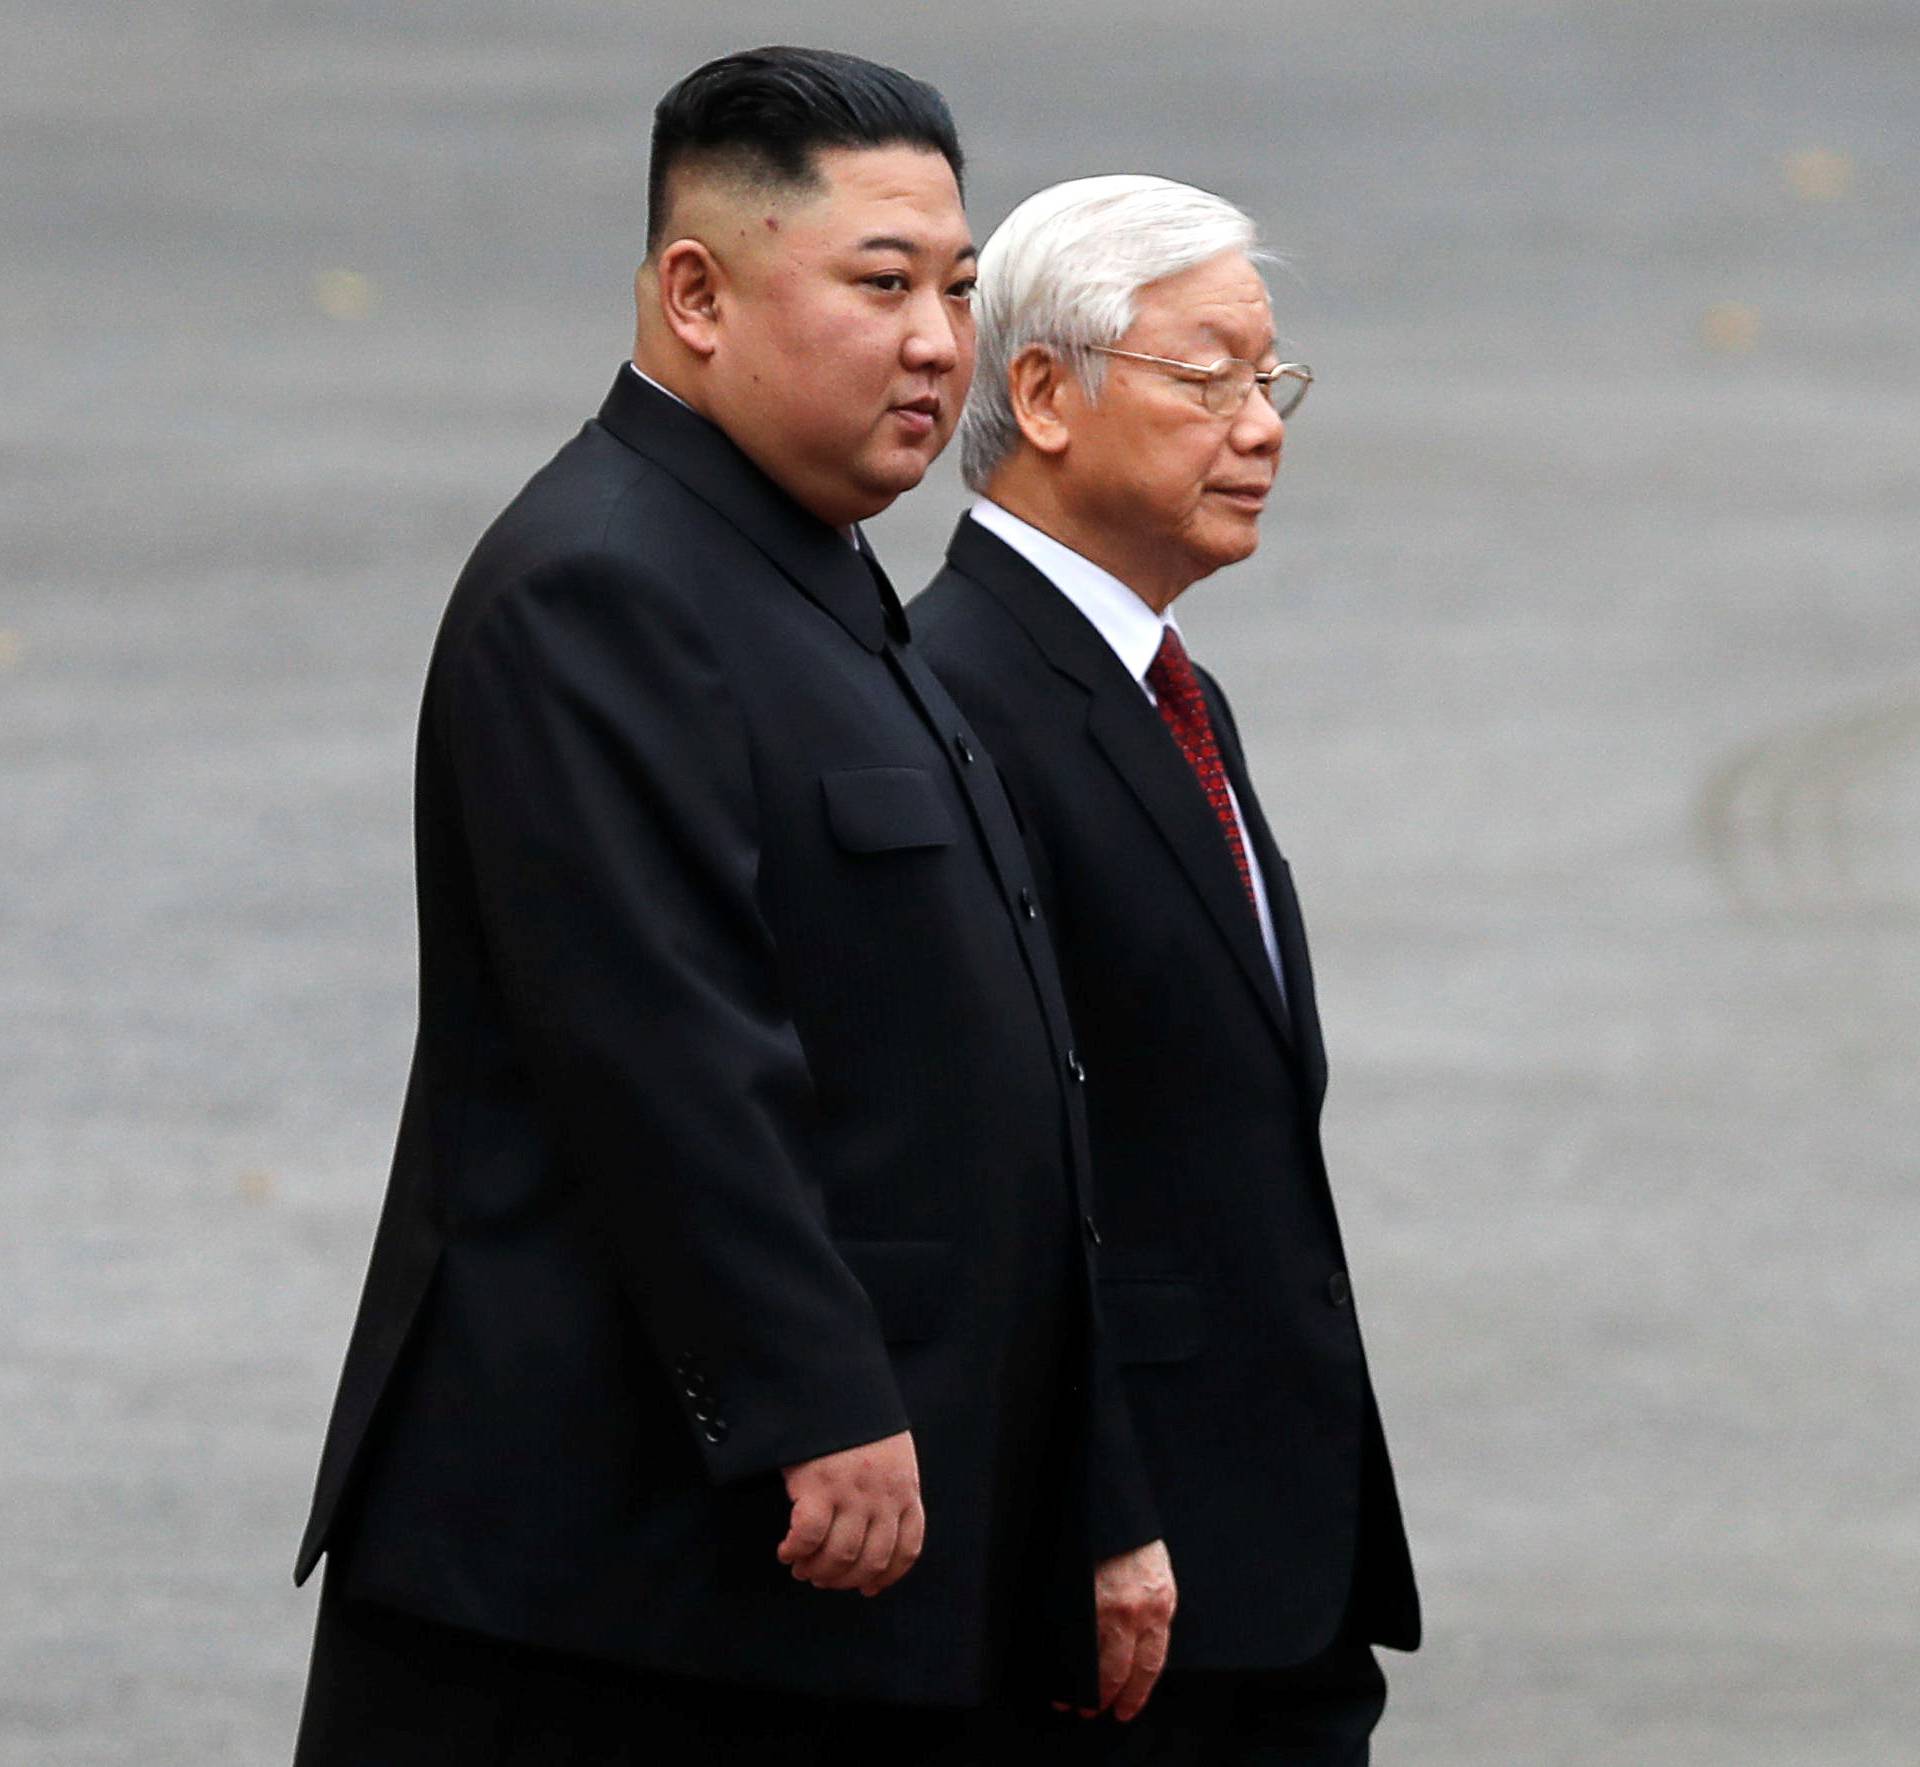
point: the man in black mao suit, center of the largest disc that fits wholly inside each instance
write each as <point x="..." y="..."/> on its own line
<point x="734" y="1246"/>
<point x="1124" y="446"/>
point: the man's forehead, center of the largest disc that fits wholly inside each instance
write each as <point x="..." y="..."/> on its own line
<point x="1214" y="299"/>
<point x="912" y="245"/>
<point x="897" y="229"/>
<point x="1217" y="318"/>
<point x="883" y="194"/>
<point x="1228" y="281"/>
<point x="896" y="168"/>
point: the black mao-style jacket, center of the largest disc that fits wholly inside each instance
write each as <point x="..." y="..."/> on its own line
<point x="743" y="1123"/>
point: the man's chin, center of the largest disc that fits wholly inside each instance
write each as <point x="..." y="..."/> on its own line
<point x="897" y="471"/>
<point x="1237" y="543"/>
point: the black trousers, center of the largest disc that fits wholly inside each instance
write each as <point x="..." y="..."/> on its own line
<point x="1319" y="1714"/>
<point x="389" y="1690"/>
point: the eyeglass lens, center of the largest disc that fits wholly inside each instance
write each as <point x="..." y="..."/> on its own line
<point x="1229" y="382"/>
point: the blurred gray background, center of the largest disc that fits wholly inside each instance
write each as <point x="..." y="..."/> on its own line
<point x="1580" y="665"/>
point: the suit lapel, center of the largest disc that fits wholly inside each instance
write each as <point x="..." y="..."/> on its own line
<point x="816" y="558"/>
<point x="1124" y="726"/>
<point x="1289" y="928"/>
<point x="1128" y="731"/>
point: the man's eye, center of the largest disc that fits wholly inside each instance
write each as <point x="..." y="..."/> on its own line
<point x="963" y="290"/>
<point x="888" y="282"/>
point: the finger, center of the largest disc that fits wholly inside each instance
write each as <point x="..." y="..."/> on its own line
<point x="834" y="1565"/>
<point x="1117" y="1645"/>
<point x="807" y="1528"/>
<point x="1148" y="1661"/>
<point x="910" y="1535"/>
<point x="875" y="1570"/>
<point x="913" y="1535"/>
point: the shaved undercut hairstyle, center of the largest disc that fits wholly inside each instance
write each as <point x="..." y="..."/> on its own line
<point x="763" y="114"/>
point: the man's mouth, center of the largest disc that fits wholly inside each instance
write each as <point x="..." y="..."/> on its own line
<point x="918" y="416"/>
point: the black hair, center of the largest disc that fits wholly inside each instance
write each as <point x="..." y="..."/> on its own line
<point x="769" y="111"/>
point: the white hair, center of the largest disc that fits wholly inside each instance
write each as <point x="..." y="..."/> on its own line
<point x="1065" y="269"/>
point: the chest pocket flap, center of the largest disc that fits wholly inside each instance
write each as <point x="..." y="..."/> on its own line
<point x="886" y="809"/>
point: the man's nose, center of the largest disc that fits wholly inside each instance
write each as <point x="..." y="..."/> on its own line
<point x="1258" y="429"/>
<point x="932" y="342"/>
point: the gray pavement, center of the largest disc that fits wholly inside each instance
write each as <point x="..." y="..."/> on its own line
<point x="1581" y="668"/>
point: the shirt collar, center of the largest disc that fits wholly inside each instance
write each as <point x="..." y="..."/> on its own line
<point x="1133" y="631"/>
<point x="635" y="368"/>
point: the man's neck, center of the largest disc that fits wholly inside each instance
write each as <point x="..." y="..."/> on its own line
<point x="1034" y="504"/>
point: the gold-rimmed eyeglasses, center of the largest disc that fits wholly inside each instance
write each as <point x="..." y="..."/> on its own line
<point x="1224" y="385"/>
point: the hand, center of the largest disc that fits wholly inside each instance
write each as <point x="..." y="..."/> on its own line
<point x="857" y="1521"/>
<point x="1134" y="1599"/>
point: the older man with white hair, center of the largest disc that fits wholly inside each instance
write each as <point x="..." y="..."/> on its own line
<point x="1124" y="431"/>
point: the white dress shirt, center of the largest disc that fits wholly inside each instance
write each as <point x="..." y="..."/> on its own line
<point x="1133" y="632"/>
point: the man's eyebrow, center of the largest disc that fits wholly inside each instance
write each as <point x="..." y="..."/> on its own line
<point x="892" y="242"/>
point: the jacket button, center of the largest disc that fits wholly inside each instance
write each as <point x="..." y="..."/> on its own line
<point x="716" y="1431"/>
<point x="1028" y="906"/>
<point x="1076" y="1068"/>
<point x="705" y="1410"/>
<point x="1339" y="1289"/>
<point x="963" y="748"/>
<point x="1093" y="1231"/>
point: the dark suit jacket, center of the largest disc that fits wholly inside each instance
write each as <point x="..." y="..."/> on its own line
<point x="743" y="1124"/>
<point x="1223" y="1281"/>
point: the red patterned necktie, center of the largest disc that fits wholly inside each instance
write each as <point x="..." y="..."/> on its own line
<point x="1184" y="712"/>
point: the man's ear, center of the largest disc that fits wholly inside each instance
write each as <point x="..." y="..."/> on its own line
<point x="1042" y="391"/>
<point x="690" y="285"/>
